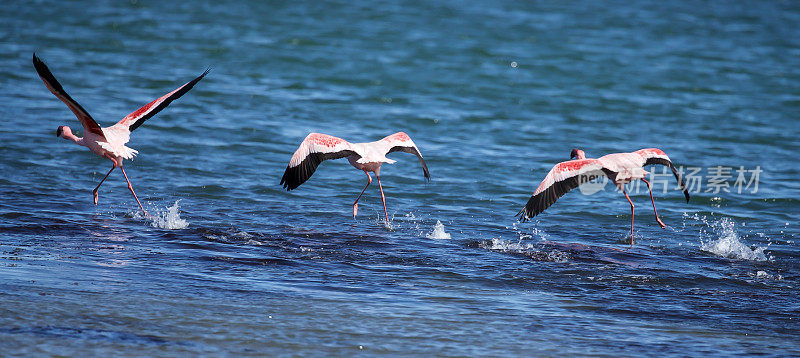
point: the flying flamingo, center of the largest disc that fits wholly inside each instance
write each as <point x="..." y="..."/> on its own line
<point x="621" y="168"/>
<point x="108" y="142"/>
<point x="366" y="157"/>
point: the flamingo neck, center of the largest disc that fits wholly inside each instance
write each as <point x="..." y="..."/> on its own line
<point x="71" y="137"/>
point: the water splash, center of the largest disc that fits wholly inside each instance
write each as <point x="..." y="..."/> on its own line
<point x="535" y="232"/>
<point x="169" y="219"/>
<point x="764" y="275"/>
<point x="387" y="225"/>
<point x="508" y="246"/>
<point x="724" y="241"/>
<point x="438" y="232"/>
<point x="525" y="249"/>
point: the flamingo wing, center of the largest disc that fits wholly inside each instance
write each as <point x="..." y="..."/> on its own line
<point x="564" y="177"/>
<point x="135" y="119"/>
<point x="315" y="149"/>
<point x="401" y="142"/>
<point x="653" y="156"/>
<point x="52" y="84"/>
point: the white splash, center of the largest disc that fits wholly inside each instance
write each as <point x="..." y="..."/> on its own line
<point x="510" y="246"/>
<point x="536" y="231"/>
<point x="764" y="275"/>
<point x="526" y="249"/>
<point x="438" y="232"/>
<point x="728" y="243"/>
<point x="169" y="219"/>
<point x="387" y="225"/>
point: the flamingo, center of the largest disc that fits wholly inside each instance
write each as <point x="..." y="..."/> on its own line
<point x="108" y="142"/>
<point x="366" y="157"/>
<point x="621" y="168"/>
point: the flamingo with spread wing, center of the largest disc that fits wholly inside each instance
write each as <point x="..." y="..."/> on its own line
<point x="621" y="168"/>
<point x="366" y="157"/>
<point x="108" y="142"/>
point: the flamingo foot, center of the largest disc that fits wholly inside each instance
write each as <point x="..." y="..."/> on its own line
<point x="95" y="196"/>
<point x="355" y="210"/>
<point x="662" y="224"/>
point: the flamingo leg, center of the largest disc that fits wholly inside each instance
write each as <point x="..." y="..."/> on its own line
<point x="629" y="202"/>
<point x="94" y="192"/>
<point x="383" y="198"/>
<point x="130" y="187"/>
<point x="654" y="204"/>
<point x="355" y="204"/>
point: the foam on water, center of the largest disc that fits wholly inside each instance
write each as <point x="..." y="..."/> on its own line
<point x="535" y="231"/>
<point x="724" y="241"/>
<point x="525" y="249"/>
<point x="509" y="246"/>
<point x="170" y="218"/>
<point x="764" y="275"/>
<point x="438" y="232"/>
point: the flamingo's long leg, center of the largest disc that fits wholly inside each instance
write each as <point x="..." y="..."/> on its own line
<point x="355" y="204"/>
<point x="629" y="202"/>
<point x="654" y="204"/>
<point x="130" y="187"/>
<point x="383" y="198"/>
<point x="94" y="192"/>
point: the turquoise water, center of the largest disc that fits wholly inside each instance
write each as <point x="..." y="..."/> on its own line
<point x="493" y="93"/>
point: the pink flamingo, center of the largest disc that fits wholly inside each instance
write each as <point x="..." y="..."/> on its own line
<point x="108" y="142"/>
<point x="621" y="168"/>
<point x="367" y="157"/>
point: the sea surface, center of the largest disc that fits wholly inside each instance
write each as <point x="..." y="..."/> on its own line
<point x="494" y="93"/>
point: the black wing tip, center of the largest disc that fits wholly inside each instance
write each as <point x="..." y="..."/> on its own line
<point x="525" y="215"/>
<point x="197" y="79"/>
<point x="671" y="166"/>
<point x="38" y="63"/>
<point x="291" y="178"/>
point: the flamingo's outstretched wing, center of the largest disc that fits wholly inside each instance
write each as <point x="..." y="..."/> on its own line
<point x="401" y="142"/>
<point x="564" y="177"/>
<point x="88" y="123"/>
<point x="652" y="156"/>
<point x="314" y="149"/>
<point x="135" y="119"/>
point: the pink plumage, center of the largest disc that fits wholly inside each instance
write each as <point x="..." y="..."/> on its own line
<point x="108" y="142"/>
<point x="366" y="157"/>
<point x="620" y="168"/>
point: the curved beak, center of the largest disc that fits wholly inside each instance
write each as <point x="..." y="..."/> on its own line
<point x="59" y="131"/>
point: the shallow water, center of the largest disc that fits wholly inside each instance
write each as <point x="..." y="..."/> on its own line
<point x="493" y="94"/>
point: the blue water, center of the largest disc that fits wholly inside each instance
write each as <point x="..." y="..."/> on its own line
<point x="493" y="93"/>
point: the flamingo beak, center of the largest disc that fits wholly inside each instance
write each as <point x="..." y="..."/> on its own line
<point x="59" y="131"/>
<point x="573" y="154"/>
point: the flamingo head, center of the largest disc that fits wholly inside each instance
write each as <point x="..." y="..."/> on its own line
<point x="62" y="131"/>
<point x="577" y="153"/>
